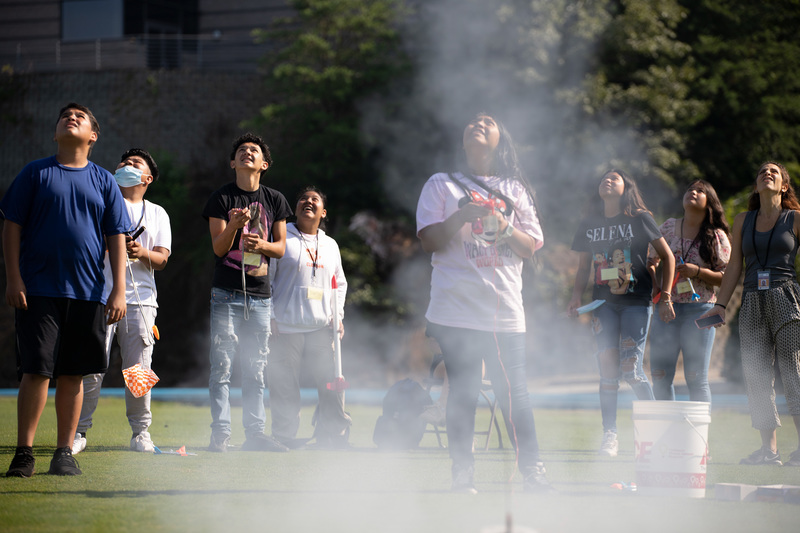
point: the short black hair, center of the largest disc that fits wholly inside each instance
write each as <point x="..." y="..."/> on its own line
<point x="79" y="107"/>
<point x="312" y="188"/>
<point x="255" y="139"/>
<point x="144" y="154"/>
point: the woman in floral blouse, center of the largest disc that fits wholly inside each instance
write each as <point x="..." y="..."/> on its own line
<point x="702" y="249"/>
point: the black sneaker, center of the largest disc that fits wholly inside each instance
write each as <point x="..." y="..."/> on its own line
<point x="22" y="463"/>
<point x="535" y="480"/>
<point x="219" y="443"/>
<point x="263" y="443"/>
<point x="762" y="456"/>
<point x="63" y="464"/>
<point x="463" y="479"/>
<point x="293" y="444"/>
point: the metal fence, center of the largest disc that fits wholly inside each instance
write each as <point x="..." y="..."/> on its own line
<point x="207" y="52"/>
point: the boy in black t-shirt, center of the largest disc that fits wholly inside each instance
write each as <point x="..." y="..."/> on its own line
<point x="247" y="221"/>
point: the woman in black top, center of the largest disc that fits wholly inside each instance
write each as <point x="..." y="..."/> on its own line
<point x="766" y="238"/>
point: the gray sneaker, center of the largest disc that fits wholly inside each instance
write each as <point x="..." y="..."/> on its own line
<point x="536" y="481"/>
<point x="794" y="459"/>
<point x="219" y="443"/>
<point x="463" y="479"/>
<point x="762" y="456"/>
<point x="263" y="443"/>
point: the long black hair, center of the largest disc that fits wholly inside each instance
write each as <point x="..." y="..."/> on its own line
<point x="713" y="220"/>
<point x="505" y="163"/>
<point x="631" y="202"/>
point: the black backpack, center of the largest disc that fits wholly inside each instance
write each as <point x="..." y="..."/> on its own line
<point x="400" y="427"/>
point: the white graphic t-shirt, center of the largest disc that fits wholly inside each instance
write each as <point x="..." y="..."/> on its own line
<point x="477" y="282"/>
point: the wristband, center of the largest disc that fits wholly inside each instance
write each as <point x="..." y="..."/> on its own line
<point x="506" y="233"/>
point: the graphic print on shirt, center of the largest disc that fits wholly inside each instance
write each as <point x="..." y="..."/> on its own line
<point x="483" y="249"/>
<point x="612" y="257"/>
<point x="255" y="264"/>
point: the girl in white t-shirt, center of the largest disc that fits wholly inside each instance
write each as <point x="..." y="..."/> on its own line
<point x="480" y="225"/>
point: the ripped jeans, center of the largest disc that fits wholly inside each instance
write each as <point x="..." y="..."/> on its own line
<point x="229" y="332"/>
<point x="621" y="334"/>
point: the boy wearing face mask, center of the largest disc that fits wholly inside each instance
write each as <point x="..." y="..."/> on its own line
<point x="58" y="212"/>
<point x="135" y="334"/>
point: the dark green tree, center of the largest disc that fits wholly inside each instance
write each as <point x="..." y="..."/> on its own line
<point x="748" y="56"/>
<point x="329" y="58"/>
<point x="639" y="83"/>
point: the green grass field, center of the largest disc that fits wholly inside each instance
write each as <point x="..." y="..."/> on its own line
<point x="364" y="490"/>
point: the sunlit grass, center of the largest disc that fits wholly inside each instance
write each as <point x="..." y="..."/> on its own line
<point x="363" y="489"/>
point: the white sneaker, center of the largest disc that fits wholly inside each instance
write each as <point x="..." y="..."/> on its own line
<point x="610" y="446"/>
<point x="142" y="443"/>
<point x="79" y="444"/>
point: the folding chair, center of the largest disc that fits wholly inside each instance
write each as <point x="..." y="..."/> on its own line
<point x="491" y="401"/>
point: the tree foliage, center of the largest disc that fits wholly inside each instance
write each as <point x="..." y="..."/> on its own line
<point x="748" y="56"/>
<point x="329" y="57"/>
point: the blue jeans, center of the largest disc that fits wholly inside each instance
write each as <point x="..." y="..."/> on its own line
<point x="621" y="334"/>
<point x="464" y="351"/>
<point x="667" y="341"/>
<point x="229" y="331"/>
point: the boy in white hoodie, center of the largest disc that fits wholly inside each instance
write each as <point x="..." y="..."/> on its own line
<point x="302" y="328"/>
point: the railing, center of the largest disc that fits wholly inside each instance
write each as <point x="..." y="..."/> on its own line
<point x="206" y="52"/>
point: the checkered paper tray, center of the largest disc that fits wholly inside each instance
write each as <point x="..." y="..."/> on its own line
<point x="139" y="380"/>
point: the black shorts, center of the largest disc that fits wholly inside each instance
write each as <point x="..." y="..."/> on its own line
<point x="61" y="336"/>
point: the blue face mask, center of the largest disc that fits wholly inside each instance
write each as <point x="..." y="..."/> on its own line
<point x="128" y="176"/>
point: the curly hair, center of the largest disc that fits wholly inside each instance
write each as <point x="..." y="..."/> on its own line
<point x="255" y="139"/>
<point x="788" y="197"/>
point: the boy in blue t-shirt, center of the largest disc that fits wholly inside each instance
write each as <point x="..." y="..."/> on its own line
<point x="60" y="213"/>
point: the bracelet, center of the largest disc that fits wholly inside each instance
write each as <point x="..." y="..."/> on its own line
<point x="722" y="306"/>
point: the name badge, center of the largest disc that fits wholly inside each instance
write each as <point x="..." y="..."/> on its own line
<point x="684" y="287"/>
<point x="763" y="280"/>
<point x="607" y="274"/>
<point x="314" y="293"/>
<point x="251" y="259"/>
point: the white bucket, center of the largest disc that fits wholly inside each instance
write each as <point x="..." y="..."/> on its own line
<point x="671" y="447"/>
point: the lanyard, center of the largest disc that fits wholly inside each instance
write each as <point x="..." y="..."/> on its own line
<point x="313" y="256"/>
<point x="769" y="241"/>
<point x="694" y="241"/>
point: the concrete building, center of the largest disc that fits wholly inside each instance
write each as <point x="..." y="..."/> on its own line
<point x="83" y="35"/>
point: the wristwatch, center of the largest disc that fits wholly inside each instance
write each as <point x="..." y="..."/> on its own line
<point x="506" y="233"/>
